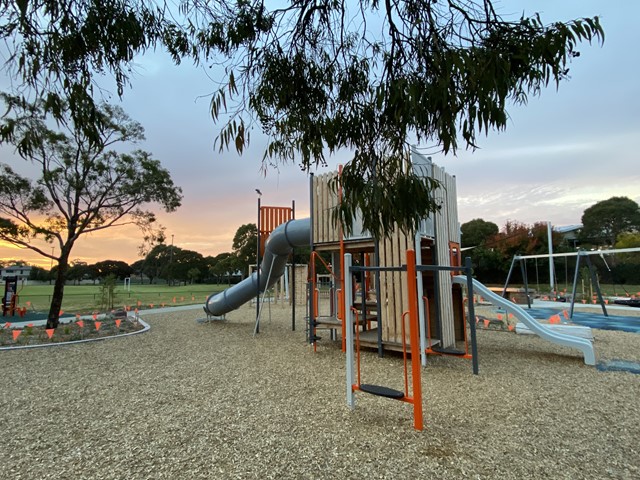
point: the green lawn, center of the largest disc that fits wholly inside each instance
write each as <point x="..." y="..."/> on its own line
<point x="88" y="298"/>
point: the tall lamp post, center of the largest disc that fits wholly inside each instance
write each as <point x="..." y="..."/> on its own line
<point x="258" y="264"/>
<point x="171" y="261"/>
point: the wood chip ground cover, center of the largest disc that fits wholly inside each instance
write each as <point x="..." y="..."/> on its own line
<point x="190" y="400"/>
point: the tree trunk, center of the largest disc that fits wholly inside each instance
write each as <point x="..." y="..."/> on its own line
<point x="53" y="320"/>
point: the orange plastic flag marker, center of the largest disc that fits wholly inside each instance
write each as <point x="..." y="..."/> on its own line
<point x="61" y="312"/>
<point x="50" y="332"/>
<point x="16" y="333"/>
<point x="80" y="323"/>
<point x="499" y="316"/>
<point x="565" y="314"/>
<point x="486" y="324"/>
<point x="30" y="325"/>
<point x="28" y="303"/>
<point x="594" y="302"/>
<point x="94" y="316"/>
<point x="118" y="322"/>
<point x="77" y="316"/>
<point x="151" y="305"/>
<point x="174" y="299"/>
<point x="7" y="325"/>
<point x="554" y="319"/>
<point x="98" y="325"/>
<point x="606" y="301"/>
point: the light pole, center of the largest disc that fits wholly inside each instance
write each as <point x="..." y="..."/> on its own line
<point x="170" y="260"/>
<point x="258" y="264"/>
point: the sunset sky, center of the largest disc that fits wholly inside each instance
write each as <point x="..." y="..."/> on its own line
<point x="560" y="154"/>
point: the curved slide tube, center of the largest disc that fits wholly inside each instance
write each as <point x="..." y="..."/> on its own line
<point x="294" y="233"/>
<point x="582" y="344"/>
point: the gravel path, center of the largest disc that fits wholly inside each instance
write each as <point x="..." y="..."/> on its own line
<point x="189" y="400"/>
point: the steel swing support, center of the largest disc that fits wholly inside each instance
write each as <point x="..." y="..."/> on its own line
<point x="353" y="381"/>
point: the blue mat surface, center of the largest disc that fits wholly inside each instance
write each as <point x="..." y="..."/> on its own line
<point x="593" y="320"/>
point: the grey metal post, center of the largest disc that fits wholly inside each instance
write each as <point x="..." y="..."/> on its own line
<point x="257" y="330"/>
<point x="594" y="279"/>
<point x="575" y="284"/>
<point x="525" y="279"/>
<point x="472" y="314"/>
<point x="293" y="274"/>
<point x="506" y="283"/>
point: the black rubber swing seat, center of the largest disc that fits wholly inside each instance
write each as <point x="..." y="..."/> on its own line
<point x="381" y="391"/>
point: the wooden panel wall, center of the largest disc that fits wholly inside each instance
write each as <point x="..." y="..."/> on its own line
<point x="324" y="201"/>
<point x="443" y="224"/>
<point x="393" y="286"/>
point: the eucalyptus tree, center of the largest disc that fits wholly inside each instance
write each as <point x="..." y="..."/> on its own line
<point x="315" y="76"/>
<point x="82" y="186"/>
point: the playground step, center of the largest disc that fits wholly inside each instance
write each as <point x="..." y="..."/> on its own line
<point x="449" y="351"/>
<point x="381" y="391"/>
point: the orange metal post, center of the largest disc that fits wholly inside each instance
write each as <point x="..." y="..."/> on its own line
<point x="413" y="340"/>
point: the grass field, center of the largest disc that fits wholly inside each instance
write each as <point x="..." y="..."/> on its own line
<point x="89" y="298"/>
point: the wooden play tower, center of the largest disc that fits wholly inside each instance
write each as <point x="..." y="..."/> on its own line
<point x="382" y="297"/>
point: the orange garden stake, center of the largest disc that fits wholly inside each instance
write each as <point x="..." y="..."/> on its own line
<point x="511" y="328"/>
<point x="50" y="332"/>
<point x="30" y="325"/>
<point x="94" y="316"/>
<point x="98" y="325"/>
<point x="16" y="334"/>
<point x="80" y="323"/>
<point x="486" y="323"/>
<point x="554" y="319"/>
<point x="118" y="322"/>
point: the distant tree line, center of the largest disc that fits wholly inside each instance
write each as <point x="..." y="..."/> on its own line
<point x="171" y="264"/>
<point x="612" y="223"/>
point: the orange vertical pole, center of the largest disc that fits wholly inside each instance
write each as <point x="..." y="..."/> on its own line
<point x="413" y="339"/>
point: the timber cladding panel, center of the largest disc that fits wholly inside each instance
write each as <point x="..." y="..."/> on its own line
<point x="393" y="286"/>
<point x="324" y="201"/>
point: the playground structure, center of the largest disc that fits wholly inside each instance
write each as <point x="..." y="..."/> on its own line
<point x="580" y="254"/>
<point x="372" y="293"/>
<point x="382" y="296"/>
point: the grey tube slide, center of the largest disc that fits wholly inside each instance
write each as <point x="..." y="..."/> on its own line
<point x="582" y="344"/>
<point x="294" y="233"/>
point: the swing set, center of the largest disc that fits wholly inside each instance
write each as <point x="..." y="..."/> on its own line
<point x="580" y="254"/>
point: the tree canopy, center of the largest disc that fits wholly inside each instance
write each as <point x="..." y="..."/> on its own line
<point x="83" y="186"/>
<point x="604" y="221"/>
<point x="315" y="76"/>
<point x="476" y="232"/>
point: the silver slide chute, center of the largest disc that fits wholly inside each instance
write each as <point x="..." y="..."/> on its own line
<point x="291" y="234"/>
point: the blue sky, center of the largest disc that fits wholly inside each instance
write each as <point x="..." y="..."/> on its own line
<point x="564" y="151"/>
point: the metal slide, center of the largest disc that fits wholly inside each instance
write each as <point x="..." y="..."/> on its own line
<point x="294" y="233"/>
<point x="582" y="344"/>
